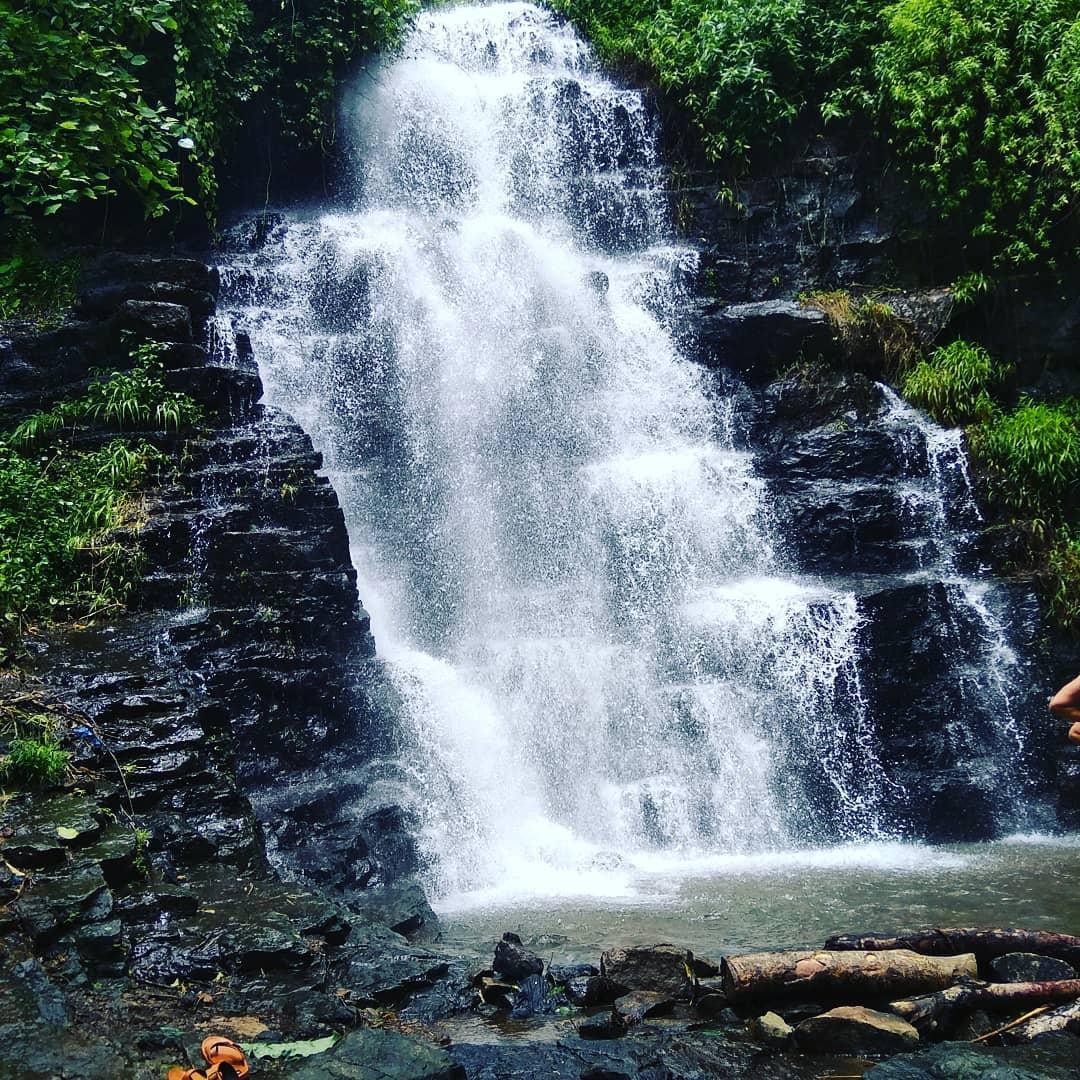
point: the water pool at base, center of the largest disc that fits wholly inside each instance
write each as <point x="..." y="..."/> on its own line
<point x="788" y="900"/>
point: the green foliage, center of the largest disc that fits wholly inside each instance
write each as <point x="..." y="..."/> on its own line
<point x="983" y="100"/>
<point x="1062" y="581"/>
<point x="57" y="511"/>
<point x="955" y="382"/>
<point x="33" y="762"/>
<point x="60" y="506"/>
<point x="736" y="66"/>
<point x="132" y="400"/>
<point x="104" y="97"/>
<point x="742" y="69"/>
<point x="871" y="334"/>
<point x="297" y="55"/>
<point x="36" y="288"/>
<point x="75" y="123"/>
<point x="1031" y="456"/>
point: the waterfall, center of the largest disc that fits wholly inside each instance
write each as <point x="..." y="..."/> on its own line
<point x="568" y="559"/>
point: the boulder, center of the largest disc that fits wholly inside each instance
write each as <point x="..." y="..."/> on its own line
<point x="604" y="1025"/>
<point x="114" y="268"/>
<point x="1029" y="967"/>
<point x="592" y="990"/>
<point x="561" y="974"/>
<point x="1053" y="1058"/>
<point x="153" y="320"/>
<point x="403" y="907"/>
<point x="759" y="339"/>
<point x="636" y="1006"/>
<point x="374" y="1054"/>
<point x="513" y="961"/>
<point x="770" y="1028"/>
<point x="854" y="1029"/>
<point x="664" y="969"/>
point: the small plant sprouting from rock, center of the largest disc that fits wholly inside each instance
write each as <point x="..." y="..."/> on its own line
<point x="140" y="859"/>
<point x="33" y="756"/>
<point x="135" y="399"/>
<point x="33" y="762"/>
<point x="872" y="335"/>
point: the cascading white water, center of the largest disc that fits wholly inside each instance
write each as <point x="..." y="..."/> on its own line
<point x="568" y="563"/>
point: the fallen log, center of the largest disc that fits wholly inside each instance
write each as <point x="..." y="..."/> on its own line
<point x="1067" y="1018"/>
<point x="939" y="1006"/>
<point x="855" y="976"/>
<point x="985" y="944"/>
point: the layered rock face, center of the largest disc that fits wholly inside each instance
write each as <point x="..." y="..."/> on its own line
<point x="868" y="494"/>
<point x="208" y="724"/>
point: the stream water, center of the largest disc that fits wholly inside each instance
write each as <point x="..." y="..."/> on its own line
<point x="573" y="580"/>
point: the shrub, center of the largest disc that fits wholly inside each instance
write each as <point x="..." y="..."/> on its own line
<point x="135" y="399"/>
<point x="1061" y="582"/>
<point x="60" y="507"/>
<point x="1032" y="459"/>
<point x="742" y="70"/>
<point x="100" y="98"/>
<point x="872" y="335"/>
<point x="75" y="123"/>
<point x="33" y="287"/>
<point x="983" y="101"/>
<point x="954" y="384"/>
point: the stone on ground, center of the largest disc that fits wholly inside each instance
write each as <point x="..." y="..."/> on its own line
<point x="372" y="1054"/>
<point x="1029" y="967"/>
<point x="853" y="1029"/>
<point x="664" y="969"/>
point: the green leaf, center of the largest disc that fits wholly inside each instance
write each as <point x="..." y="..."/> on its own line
<point x="300" y="1048"/>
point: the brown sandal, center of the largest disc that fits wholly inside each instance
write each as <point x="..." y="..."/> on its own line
<point x="225" y="1058"/>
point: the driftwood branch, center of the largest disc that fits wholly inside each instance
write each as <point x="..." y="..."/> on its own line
<point x="855" y="975"/>
<point x="1067" y="1018"/>
<point x="985" y="944"/>
<point x="933" y="1008"/>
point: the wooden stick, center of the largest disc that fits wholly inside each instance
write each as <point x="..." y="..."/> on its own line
<point x="1012" y="1023"/>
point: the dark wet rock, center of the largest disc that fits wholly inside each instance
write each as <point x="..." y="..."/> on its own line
<point x="1052" y="1058"/>
<point x="561" y="974"/>
<point x="604" y="1025"/>
<point x="106" y="299"/>
<point x="113" y="268"/>
<point x="946" y="795"/>
<point x="758" y="339"/>
<point x="41" y="829"/>
<point x="452" y="992"/>
<point x="705" y="968"/>
<point x="403" y="907"/>
<point x="661" y="968"/>
<point x="1029" y="967"/>
<point x="590" y="990"/>
<point x="372" y="1054"/>
<point x="638" y="1005"/>
<point x="535" y="997"/>
<point x="382" y="968"/>
<point x="812" y="397"/>
<point x="854" y="1029"/>
<point x="770" y="1029"/>
<point x="153" y="320"/>
<point x="834" y="528"/>
<point x="61" y="899"/>
<point x="45" y="999"/>
<point x="597" y="280"/>
<point x="496" y="992"/>
<point x="513" y="961"/>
